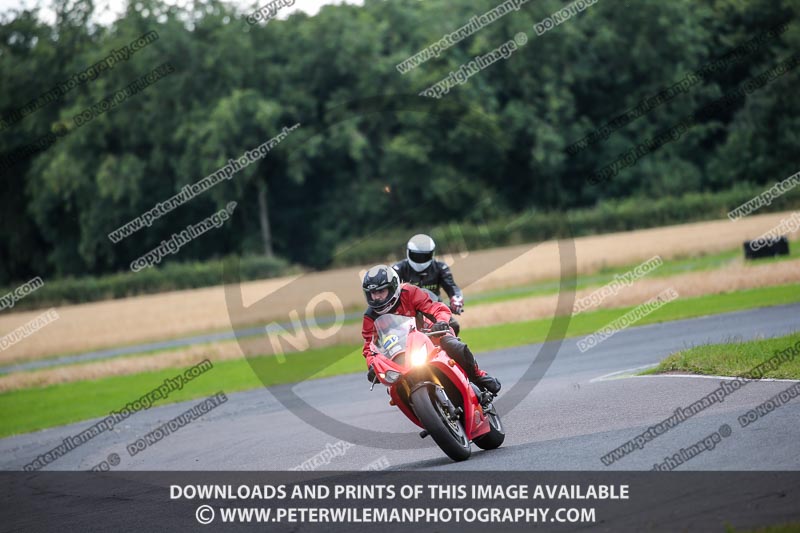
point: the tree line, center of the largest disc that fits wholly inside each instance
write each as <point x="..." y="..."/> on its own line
<point x="523" y="134"/>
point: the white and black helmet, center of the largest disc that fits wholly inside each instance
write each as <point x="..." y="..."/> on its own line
<point x="381" y="277"/>
<point x="420" y="251"/>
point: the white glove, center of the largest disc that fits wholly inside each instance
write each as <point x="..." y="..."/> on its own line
<point x="456" y="305"/>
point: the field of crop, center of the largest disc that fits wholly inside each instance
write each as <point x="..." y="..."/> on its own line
<point x="26" y="409"/>
<point x="170" y="315"/>
<point x="770" y="282"/>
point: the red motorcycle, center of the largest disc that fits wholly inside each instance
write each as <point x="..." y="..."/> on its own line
<point x="432" y="390"/>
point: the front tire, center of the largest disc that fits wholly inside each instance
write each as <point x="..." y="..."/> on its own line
<point x="448" y="434"/>
<point x="496" y="435"/>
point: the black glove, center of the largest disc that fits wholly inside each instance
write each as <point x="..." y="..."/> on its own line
<point x="371" y="374"/>
<point x="440" y="326"/>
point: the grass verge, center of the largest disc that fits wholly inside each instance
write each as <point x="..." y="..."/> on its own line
<point x="31" y="409"/>
<point x="670" y="267"/>
<point x="734" y="359"/>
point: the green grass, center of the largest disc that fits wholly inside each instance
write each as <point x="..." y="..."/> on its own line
<point x="31" y="409"/>
<point x="671" y="267"/>
<point x="516" y="334"/>
<point x="605" y="275"/>
<point x="733" y="359"/>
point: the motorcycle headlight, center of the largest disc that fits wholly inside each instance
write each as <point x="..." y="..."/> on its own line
<point x="392" y="376"/>
<point x="419" y="356"/>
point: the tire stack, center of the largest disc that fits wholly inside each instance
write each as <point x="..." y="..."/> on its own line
<point x="773" y="247"/>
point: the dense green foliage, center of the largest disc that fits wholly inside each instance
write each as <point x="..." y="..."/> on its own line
<point x="371" y="153"/>
<point x="386" y="245"/>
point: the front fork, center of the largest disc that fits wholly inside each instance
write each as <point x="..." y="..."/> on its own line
<point x="453" y="411"/>
<point x="455" y="414"/>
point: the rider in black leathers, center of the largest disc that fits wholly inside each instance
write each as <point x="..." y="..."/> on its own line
<point x="421" y="269"/>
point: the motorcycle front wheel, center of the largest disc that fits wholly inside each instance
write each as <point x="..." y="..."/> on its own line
<point x="447" y="432"/>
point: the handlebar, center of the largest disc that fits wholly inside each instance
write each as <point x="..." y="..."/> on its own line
<point x="430" y="333"/>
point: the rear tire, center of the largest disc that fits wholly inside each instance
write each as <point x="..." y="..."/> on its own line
<point x="496" y="435"/>
<point x="449" y="435"/>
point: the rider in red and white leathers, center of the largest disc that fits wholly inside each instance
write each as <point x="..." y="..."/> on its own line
<point x="385" y="294"/>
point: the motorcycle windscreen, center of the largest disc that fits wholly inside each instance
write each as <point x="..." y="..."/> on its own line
<point x="392" y="334"/>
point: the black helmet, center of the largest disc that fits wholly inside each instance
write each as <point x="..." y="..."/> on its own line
<point x="420" y="251"/>
<point x="377" y="278"/>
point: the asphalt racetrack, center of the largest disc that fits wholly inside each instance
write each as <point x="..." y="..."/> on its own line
<point x="584" y="407"/>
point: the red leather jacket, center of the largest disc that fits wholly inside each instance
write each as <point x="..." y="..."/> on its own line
<point x="412" y="299"/>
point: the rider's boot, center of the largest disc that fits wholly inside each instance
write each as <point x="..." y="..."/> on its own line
<point x="485" y="381"/>
<point x="464" y="357"/>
